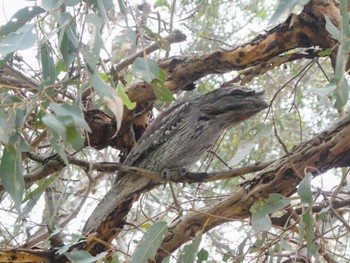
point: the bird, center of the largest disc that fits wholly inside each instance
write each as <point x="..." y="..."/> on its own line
<point x="177" y="138"/>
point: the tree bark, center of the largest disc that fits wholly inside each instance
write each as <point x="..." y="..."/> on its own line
<point x="305" y="30"/>
<point x="326" y="150"/>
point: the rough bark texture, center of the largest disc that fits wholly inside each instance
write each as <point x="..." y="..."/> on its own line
<point x="326" y="150"/>
<point x="305" y="30"/>
<point x="177" y="138"/>
<point x="322" y="152"/>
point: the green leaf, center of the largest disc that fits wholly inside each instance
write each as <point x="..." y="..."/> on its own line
<point x="160" y="3"/>
<point x="5" y="59"/>
<point x="304" y="190"/>
<point x="189" y="252"/>
<point x="73" y="111"/>
<point x="102" y="9"/>
<point x="259" y="243"/>
<point x="55" y="125"/>
<point x="7" y="126"/>
<point x="126" y="101"/>
<point x="80" y="256"/>
<point x="20" y="18"/>
<point x="332" y="29"/>
<point x="52" y="4"/>
<point x="161" y="91"/>
<point x="91" y="52"/>
<point x="11" y="174"/>
<point x="240" y="253"/>
<point x="202" y="255"/>
<point x="33" y="197"/>
<point x="150" y="242"/>
<point x="122" y="7"/>
<point x="244" y="148"/>
<point x="326" y="90"/>
<point x="161" y="42"/>
<point x="264" y="207"/>
<point x="307" y="219"/>
<point x="68" y="41"/>
<point x="47" y="64"/>
<point x="42" y="185"/>
<point x="262" y="223"/>
<point x="23" y="38"/>
<point x="161" y="76"/>
<point x="72" y="2"/>
<point x="60" y="67"/>
<point x="145" y="69"/>
<point x="341" y="94"/>
<point x="99" y="85"/>
<point x="284" y="7"/>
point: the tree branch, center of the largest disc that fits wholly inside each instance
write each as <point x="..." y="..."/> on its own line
<point x="324" y="151"/>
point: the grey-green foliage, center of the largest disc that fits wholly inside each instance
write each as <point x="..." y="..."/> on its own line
<point x="69" y="40"/>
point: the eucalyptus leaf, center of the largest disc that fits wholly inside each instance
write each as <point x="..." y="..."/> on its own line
<point x="20" y="18"/>
<point x="55" y="125"/>
<point x="262" y="223"/>
<point x="72" y="2"/>
<point x="91" y="51"/>
<point x="160" y="3"/>
<point x="242" y="152"/>
<point x="80" y="256"/>
<point x="68" y="51"/>
<point x="284" y="7"/>
<point x="47" y="64"/>
<point x="42" y="185"/>
<point x="341" y="94"/>
<point x="7" y="126"/>
<point x="68" y="40"/>
<point x="161" y="91"/>
<point x="99" y="85"/>
<point x="147" y="248"/>
<point x="23" y="38"/>
<point x="115" y="104"/>
<point x="52" y="4"/>
<point x="127" y="102"/>
<point x="189" y="252"/>
<point x="332" y="29"/>
<point x="11" y="174"/>
<point x="122" y="7"/>
<point x="304" y="190"/>
<point x="202" y="255"/>
<point x="102" y="10"/>
<point x="264" y="207"/>
<point x="309" y="231"/>
<point x="145" y="69"/>
<point x="73" y="111"/>
<point x="326" y="90"/>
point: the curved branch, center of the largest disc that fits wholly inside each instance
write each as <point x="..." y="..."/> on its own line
<point x="324" y="151"/>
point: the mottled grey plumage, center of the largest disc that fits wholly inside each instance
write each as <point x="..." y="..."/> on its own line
<point x="174" y="140"/>
<point x="181" y="134"/>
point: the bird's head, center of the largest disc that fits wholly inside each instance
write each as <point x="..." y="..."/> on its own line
<point x="232" y="105"/>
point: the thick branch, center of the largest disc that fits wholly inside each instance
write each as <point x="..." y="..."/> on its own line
<point x="324" y="151"/>
<point x="305" y="30"/>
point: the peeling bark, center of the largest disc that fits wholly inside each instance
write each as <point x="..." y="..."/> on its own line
<point x="306" y="30"/>
<point x="326" y="150"/>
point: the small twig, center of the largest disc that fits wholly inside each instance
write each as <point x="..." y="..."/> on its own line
<point x="286" y="151"/>
<point x="175" y="37"/>
<point x="62" y="224"/>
